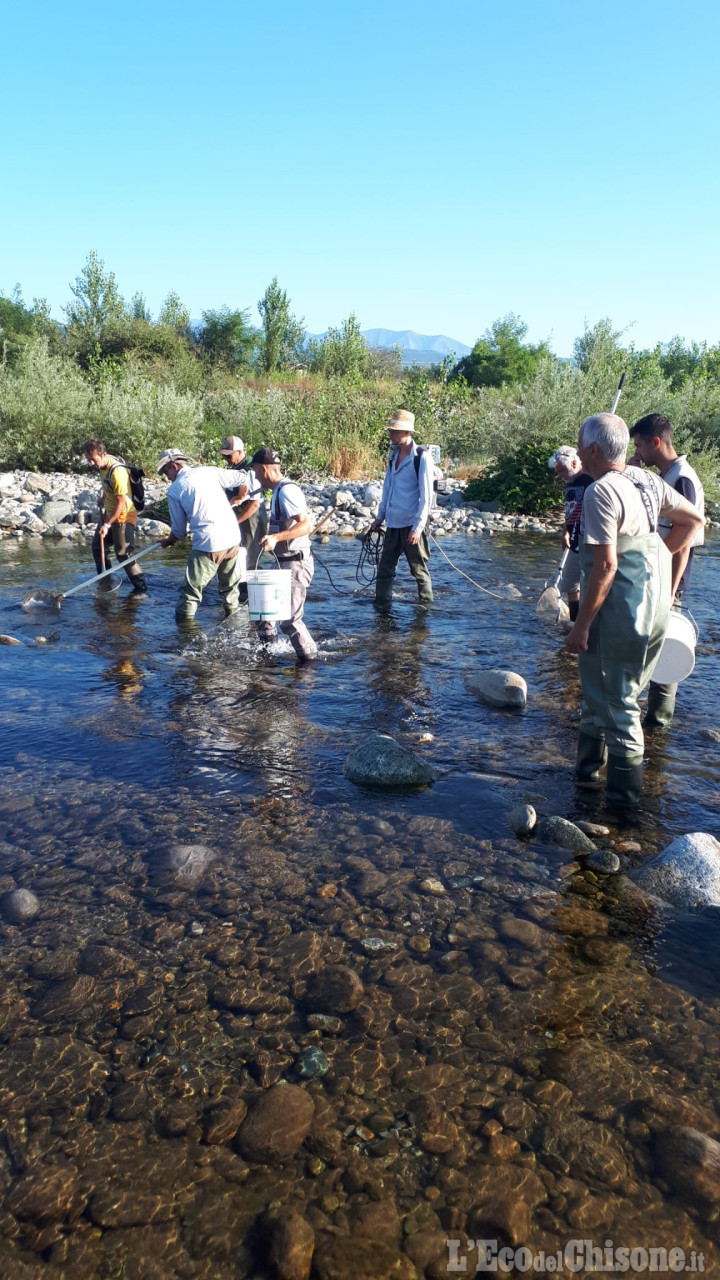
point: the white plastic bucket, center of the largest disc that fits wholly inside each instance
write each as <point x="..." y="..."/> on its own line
<point x="269" y="594"/>
<point x="677" y="656"/>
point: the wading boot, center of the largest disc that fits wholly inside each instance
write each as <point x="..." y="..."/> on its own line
<point x="624" y="781"/>
<point x="591" y="756"/>
<point x="139" y="584"/>
<point x="660" y="706"/>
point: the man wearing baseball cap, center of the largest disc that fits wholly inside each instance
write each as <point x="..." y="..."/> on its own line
<point x="288" y="540"/>
<point x="405" y="508"/>
<point x="198" y="505"/>
<point x="247" y="502"/>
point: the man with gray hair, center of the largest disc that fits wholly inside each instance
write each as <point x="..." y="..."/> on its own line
<point x="625" y="600"/>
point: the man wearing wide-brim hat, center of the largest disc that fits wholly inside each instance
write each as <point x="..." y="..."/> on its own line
<point x="405" y="509"/>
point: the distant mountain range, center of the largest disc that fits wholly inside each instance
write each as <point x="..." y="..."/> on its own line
<point x="417" y="348"/>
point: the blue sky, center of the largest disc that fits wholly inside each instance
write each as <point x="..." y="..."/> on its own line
<point x="427" y="168"/>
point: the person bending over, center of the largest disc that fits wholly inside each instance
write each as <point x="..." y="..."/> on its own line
<point x="198" y="505"/>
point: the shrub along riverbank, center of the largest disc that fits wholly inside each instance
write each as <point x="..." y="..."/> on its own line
<point x="50" y="403"/>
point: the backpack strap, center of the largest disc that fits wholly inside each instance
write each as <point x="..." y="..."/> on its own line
<point x="652" y="510"/>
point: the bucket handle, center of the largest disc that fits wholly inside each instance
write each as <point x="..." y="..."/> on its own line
<point x="694" y="623"/>
<point x="267" y="553"/>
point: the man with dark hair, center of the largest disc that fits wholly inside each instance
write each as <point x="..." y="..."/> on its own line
<point x="289" y="541"/>
<point x="118" y="515"/>
<point x="247" y="502"/>
<point x="653" y="440"/>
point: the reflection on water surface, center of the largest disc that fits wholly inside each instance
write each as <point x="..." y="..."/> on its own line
<point x="509" y="1053"/>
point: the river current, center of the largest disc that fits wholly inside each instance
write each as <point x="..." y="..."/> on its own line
<point x="482" y="1038"/>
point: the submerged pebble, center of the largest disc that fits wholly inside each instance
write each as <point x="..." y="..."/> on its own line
<point x="313" y="1064"/>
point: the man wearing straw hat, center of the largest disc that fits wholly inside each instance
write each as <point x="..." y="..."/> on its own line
<point x="405" y="509"/>
<point x="197" y="504"/>
<point x="289" y="542"/>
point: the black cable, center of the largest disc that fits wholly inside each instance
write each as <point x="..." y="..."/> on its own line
<point x="332" y="584"/>
<point x="367" y="565"/>
<point x="370" y="551"/>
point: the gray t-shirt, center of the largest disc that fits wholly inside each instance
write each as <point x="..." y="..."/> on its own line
<point x="613" y="506"/>
<point x="288" y="501"/>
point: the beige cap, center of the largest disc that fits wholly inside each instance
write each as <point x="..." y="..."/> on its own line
<point x="233" y="444"/>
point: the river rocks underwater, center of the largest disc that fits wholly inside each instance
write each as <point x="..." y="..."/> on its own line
<point x="257" y="1021"/>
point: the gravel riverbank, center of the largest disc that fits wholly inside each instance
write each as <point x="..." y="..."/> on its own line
<point x="57" y="505"/>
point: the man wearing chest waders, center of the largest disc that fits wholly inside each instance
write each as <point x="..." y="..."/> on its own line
<point x="405" y="508"/>
<point x="628" y="581"/>
<point x="289" y="541"/>
<point x="653" y="440"/>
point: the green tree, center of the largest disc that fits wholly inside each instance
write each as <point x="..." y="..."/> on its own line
<point x="679" y="362"/>
<point x="139" y="309"/>
<point x="283" y="335"/>
<point x="599" y="344"/>
<point x="174" y="314"/>
<point x="500" y="356"/>
<point x="97" y="301"/>
<point x="342" y="353"/>
<point x="227" y="338"/>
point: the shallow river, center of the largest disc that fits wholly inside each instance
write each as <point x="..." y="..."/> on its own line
<point x="508" y="1057"/>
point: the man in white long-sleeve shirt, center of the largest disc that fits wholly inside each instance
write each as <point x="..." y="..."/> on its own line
<point x="198" y="505"/>
<point x="405" y="509"/>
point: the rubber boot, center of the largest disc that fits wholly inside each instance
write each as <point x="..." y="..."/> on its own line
<point x="624" y="781"/>
<point x="139" y="584"/>
<point x="660" y="706"/>
<point x="591" y="756"/>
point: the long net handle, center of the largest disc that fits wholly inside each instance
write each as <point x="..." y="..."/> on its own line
<point x="618" y="393"/>
<point x="97" y="576"/>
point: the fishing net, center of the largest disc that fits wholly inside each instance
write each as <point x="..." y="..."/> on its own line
<point x="39" y="598"/>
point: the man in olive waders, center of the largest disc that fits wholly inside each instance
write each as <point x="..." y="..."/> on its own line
<point x="628" y="581"/>
<point x="405" y="508"/>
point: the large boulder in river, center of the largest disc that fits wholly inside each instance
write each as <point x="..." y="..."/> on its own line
<point x="380" y="761"/>
<point x="686" y="874"/>
<point x="277" y="1125"/>
<point x="499" y="688"/>
<point x="19" y="905"/>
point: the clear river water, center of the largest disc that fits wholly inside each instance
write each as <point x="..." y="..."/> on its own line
<point x="507" y="1054"/>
